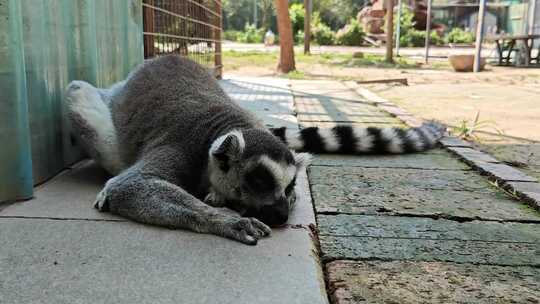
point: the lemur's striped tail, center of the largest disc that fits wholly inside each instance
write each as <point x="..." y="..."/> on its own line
<point x="346" y="139"/>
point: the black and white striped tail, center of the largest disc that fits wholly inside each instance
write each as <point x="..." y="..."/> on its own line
<point x="345" y="139"/>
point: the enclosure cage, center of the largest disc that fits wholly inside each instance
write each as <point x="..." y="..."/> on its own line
<point x="191" y="28"/>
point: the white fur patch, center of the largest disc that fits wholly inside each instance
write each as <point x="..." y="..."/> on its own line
<point x="395" y="144"/>
<point x="302" y="159"/>
<point x="294" y="141"/>
<point x="219" y="141"/>
<point x="283" y="173"/>
<point x="84" y="99"/>
<point x="414" y="138"/>
<point x="427" y="134"/>
<point x="331" y="143"/>
<point x="364" y="141"/>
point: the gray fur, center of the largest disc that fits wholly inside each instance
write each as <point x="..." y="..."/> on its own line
<point x="176" y="131"/>
<point x="180" y="148"/>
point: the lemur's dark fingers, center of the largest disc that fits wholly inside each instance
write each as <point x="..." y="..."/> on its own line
<point x="245" y="230"/>
<point x="261" y="227"/>
<point x="242" y="236"/>
<point x="253" y="227"/>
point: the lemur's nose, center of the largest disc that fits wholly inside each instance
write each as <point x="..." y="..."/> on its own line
<point x="276" y="214"/>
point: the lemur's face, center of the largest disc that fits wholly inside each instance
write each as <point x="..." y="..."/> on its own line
<point x="252" y="182"/>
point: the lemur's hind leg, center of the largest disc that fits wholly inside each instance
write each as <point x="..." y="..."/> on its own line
<point x="92" y="125"/>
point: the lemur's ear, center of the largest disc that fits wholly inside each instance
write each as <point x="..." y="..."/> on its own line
<point x="226" y="148"/>
<point x="302" y="160"/>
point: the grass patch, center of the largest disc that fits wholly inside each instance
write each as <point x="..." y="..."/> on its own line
<point x="234" y="60"/>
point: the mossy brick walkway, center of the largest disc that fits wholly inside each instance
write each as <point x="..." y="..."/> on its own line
<point x="419" y="228"/>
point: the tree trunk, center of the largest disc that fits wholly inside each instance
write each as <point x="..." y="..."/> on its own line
<point x="286" y="42"/>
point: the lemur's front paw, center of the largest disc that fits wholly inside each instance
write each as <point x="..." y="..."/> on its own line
<point x="244" y="229"/>
<point x="101" y="203"/>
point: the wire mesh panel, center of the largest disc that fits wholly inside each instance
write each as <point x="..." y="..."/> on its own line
<point x="191" y="28"/>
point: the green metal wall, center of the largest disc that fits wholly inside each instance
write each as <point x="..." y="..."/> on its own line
<point x="44" y="44"/>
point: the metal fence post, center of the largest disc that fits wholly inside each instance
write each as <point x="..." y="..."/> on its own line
<point x="428" y="29"/>
<point x="479" y="36"/>
<point x="218" y="62"/>
<point x="398" y="27"/>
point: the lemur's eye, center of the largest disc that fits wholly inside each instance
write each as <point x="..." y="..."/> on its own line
<point x="290" y="187"/>
<point x="259" y="179"/>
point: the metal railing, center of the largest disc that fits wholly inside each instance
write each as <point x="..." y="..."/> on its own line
<point x="191" y="28"/>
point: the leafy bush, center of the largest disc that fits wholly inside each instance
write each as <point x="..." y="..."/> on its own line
<point x="231" y="35"/>
<point x="435" y="39"/>
<point x="321" y="33"/>
<point x="457" y="35"/>
<point x="416" y="38"/>
<point x="351" y="34"/>
<point x="297" y="13"/>
<point x="251" y="34"/>
<point x="411" y="37"/>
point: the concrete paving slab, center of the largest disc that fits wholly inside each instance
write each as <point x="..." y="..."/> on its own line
<point x="395" y="179"/>
<point x="488" y="253"/>
<point x="340" y="117"/>
<point x="450" y="141"/>
<point x="426" y="228"/>
<point x="51" y="261"/>
<point x="267" y="107"/>
<point x="503" y="172"/>
<point x="436" y="159"/>
<point x="328" y="125"/>
<point x="471" y="155"/>
<point x="531" y="192"/>
<point x="58" y="249"/>
<point x="438" y="193"/>
<point x="431" y="282"/>
<point x="321" y="105"/>
<point x="279" y="120"/>
<point x="68" y="196"/>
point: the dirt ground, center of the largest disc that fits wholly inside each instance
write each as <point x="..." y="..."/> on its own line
<point x="507" y="98"/>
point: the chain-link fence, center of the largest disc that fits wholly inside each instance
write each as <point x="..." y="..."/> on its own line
<point x="191" y="28"/>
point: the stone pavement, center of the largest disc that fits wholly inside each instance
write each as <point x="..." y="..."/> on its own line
<point x="57" y="248"/>
<point x="419" y="228"/>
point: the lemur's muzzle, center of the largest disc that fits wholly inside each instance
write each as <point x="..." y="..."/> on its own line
<point x="273" y="215"/>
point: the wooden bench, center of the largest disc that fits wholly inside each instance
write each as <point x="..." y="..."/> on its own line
<point x="508" y="44"/>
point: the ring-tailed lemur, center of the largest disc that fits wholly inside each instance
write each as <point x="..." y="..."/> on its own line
<point x="179" y="146"/>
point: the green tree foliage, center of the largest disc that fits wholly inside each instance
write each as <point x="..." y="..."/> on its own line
<point x="409" y="36"/>
<point x="322" y="34"/>
<point x="457" y="35"/>
<point x="297" y="14"/>
<point x="251" y="34"/>
<point x="333" y="13"/>
<point x="237" y="13"/>
<point x="351" y="34"/>
<point x="336" y="13"/>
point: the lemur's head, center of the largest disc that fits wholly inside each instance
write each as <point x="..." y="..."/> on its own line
<point x="254" y="173"/>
